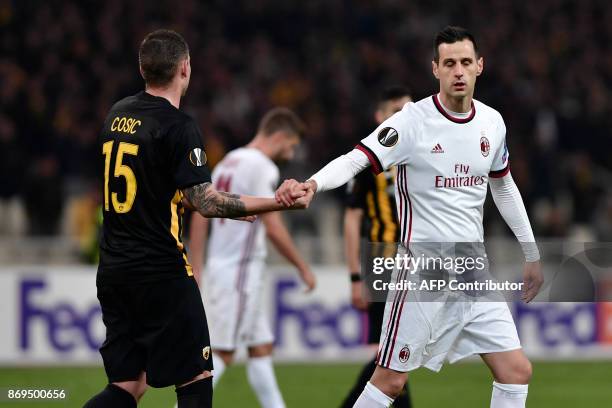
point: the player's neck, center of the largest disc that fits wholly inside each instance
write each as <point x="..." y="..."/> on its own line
<point x="262" y="146"/>
<point x="171" y="94"/>
<point x="458" y="105"/>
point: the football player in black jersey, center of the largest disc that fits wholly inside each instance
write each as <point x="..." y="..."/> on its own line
<point x="153" y="165"/>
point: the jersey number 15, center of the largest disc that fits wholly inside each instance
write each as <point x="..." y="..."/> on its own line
<point x="121" y="170"/>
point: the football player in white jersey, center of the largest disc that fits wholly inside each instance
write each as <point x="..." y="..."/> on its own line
<point x="447" y="149"/>
<point x="236" y="254"/>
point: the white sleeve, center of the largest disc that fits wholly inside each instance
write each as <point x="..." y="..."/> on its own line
<point x="340" y="170"/>
<point x="510" y="205"/>
<point x="390" y="142"/>
<point x="500" y="165"/>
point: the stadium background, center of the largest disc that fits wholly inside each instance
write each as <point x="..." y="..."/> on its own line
<point x="548" y="70"/>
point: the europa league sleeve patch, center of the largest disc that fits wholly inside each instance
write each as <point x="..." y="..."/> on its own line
<point x="197" y="157"/>
<point x="388" y="137"/>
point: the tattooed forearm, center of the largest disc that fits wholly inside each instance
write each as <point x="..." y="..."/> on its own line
<point x="211" y="203"/>
<point x="229" y="195"/>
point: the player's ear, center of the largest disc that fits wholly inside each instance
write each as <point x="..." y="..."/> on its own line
<point x="185" y="67"/>
<point x="379" y="116"/>
<point x="479" y="66"/>
<point x="434" y="69"/>
<point x="141" y="71"/>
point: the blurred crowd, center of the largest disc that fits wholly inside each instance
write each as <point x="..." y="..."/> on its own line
<point x="548" y="70"/>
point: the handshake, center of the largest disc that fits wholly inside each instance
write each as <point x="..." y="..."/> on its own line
<point x="296" y="195"/>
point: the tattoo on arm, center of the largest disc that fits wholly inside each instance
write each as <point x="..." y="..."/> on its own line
<point x="229" y="195"/>
<point x="211" y="203"/>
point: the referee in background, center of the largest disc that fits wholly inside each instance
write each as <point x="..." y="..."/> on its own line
<point x="371" y="216"/>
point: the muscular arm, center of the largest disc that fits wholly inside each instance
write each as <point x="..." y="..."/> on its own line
<point x="217" y="204"/>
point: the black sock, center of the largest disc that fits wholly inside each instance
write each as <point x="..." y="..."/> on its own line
<point x="111" y="397"/>
<point x="403" y="400"/>
<point x="198" y="394"/>
<point x="362" y="380"/>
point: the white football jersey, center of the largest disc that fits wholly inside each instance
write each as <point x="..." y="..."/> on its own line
<point x="443" y="165"/>
<point x="244" y="171"/>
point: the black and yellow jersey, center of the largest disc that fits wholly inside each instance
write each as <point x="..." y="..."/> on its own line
<point x="150" y="151"/>
<point x="375" y="195"/>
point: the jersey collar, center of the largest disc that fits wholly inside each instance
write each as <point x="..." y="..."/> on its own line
<point x="147" y="96"/>
<point x="449" y="116"/>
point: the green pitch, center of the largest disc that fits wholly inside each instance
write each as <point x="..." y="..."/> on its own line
<point x="554" y="385"/>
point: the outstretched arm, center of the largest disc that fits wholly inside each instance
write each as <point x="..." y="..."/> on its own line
<point x="510" y="205"/>
<point x="388" y="145"/>
<point x="335" y="174"/>
<point x="340" y="170"/>
<point x="217" y="204"/>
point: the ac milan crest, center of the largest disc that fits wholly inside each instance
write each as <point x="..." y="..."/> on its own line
<point x="404" y="354"/>
<point x="484" y="146"/>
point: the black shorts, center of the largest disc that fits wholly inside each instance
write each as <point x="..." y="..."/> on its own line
<point x="158" y="327"/>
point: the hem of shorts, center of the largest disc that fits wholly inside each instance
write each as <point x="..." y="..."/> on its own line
<point x="258" y="343"/>
<point x="181" y="381"/>
<point x="223" y="347"/>
<point x="461" y="357"/>
<point x="435" y="368"/>
<point x="408" y="368"/>
<point x="117" y="379"/>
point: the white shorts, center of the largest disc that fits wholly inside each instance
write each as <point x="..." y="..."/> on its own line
<point x="417" y="333"/>
<point x="236" y="317"/>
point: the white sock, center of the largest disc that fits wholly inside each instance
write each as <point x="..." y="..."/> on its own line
<point x="509" y="395"/>
<point x="263" y="381"/>
<point x="372" y="397"/>
<point x="219" y="368"/>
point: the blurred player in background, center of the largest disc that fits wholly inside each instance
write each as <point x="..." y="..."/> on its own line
<point x="371" y="215"/>
<point x="447" y="149"/>
<point x="235" y="263"/>
<point x="156" y="331"/>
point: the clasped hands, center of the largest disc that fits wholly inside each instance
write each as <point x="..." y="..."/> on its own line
<point x="296" y="195"/>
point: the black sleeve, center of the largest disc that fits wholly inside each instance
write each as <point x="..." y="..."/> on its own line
<point x="188" y="156"/>
<point x="356" y="192"/>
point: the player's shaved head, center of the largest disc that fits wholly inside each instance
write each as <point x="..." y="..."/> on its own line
<point x="160" y="54"/>
<point x="451" y="35"/>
